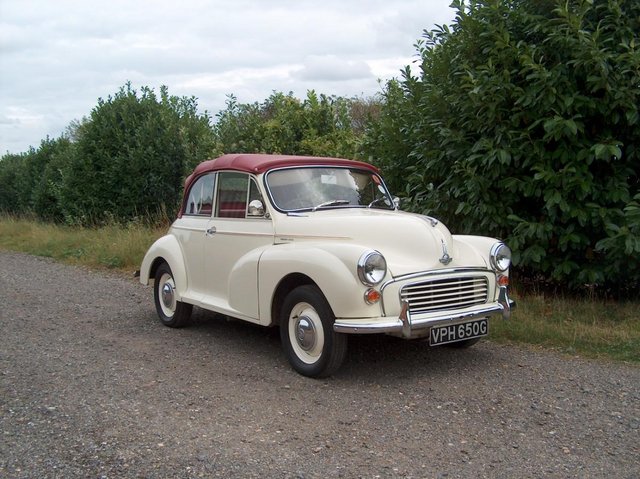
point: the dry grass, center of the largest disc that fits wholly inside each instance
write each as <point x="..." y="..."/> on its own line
<point x="587" y="327"/>
<point x="113" y="246"/>
<point x="590" y="327"/>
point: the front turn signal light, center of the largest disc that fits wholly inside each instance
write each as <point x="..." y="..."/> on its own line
<point x="372" y="296"/>
<point x="503" y="280"/>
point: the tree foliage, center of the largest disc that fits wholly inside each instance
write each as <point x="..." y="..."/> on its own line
<point x="49" y="161"/>
<point x="132" y="155"/>
<point x="319" y="125"/>
<point x="127" y="159"/>
<point x="523" y="122"/>
<point x="28" y="181"/>
<point x="11" y="178"/>
<point x="520" y="120"/>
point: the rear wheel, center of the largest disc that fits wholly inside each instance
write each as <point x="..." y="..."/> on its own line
<point x="310" y="344"/>
<point x="172" y="313"/>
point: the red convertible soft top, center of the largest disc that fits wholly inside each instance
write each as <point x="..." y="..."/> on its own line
<point x="259" y="163"/>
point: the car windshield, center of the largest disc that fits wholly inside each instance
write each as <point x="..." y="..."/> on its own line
<point x="313" y="188"/>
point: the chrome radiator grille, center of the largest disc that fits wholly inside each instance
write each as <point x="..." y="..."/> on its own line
<point x="443" y="294"/>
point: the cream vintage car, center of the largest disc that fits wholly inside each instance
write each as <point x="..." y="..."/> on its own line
<point x="319" y="247"/>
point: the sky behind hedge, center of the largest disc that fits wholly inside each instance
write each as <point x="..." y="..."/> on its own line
<point x="57" y="58"/>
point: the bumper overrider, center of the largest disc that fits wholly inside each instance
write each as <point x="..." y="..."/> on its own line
<point x="408" y="325"/>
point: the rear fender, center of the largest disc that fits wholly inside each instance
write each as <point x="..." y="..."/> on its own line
<point x="166" y="249"/>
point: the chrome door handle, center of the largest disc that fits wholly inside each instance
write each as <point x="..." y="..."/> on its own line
<point x="211" y="231"/>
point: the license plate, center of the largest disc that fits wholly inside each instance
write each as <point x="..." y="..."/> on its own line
<point x="459" y="332"/>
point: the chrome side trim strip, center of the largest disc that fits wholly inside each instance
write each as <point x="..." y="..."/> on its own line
<point x="234" y="233"/>
<point x="203" y="229"/>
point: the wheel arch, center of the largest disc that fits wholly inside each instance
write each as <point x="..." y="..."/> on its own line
<point x="165" y="250"/>
<point x="154" y="266"/>
<point x="285" y="286"/>
<point x="283" y="268"/>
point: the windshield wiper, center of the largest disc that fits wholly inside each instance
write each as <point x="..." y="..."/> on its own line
<point x="378" y="200"/>
<point x="330" y="203"/>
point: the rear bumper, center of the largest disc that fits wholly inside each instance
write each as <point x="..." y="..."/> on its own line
<point x="408" y="326"/>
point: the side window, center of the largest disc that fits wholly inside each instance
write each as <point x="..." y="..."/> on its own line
<point x="232" y="195"/>
<point x="200" y="200"/>
<point x="236" y="191"/>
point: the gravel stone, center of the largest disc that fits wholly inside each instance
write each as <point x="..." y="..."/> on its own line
<point x="92" y="385"/>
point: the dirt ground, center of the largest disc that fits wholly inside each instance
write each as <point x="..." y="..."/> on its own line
<point x="93" y="386"/>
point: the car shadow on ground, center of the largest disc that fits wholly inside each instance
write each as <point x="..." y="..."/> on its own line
<point x="387" y="356"/>
<point x="374" y="356"/>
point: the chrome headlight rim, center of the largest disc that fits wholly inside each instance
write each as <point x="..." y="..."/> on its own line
<point x="500" y="256"/>
<point x="372" y="268"/>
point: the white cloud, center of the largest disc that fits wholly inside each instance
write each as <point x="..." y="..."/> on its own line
<point x="21" y="116"/>
<point x="332" y="68"/>
<point x="57" y="58"/>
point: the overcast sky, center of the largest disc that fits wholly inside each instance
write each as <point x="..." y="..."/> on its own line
<point x="58" y="57"/>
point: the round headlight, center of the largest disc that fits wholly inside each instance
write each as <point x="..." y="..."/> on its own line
<point x="500" y="257"/>
<point x="372" y="268"/>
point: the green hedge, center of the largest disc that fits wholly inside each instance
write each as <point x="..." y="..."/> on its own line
<point x="522" y="122"/>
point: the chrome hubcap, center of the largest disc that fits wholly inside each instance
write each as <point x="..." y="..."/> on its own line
<point x="305" y="333"/>
<point x="167" y="295"/>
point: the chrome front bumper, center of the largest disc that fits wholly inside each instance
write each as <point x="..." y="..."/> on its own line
<point x="407" y="326"/>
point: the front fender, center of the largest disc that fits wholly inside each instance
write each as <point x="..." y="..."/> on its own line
<point x="333" y="269"/>
<point x="168" y="249"/>
<point x="482" y="245"/>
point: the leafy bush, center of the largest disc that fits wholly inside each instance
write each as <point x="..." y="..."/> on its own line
<point x="132" y="155"/>
<point x="11" y="183"/>
<point x="320" y="125"/>
<point x="127" y="160"/>
<point x="29" y="181"/>
<point x="523" y="123"/>
<point x="49" y="159"/>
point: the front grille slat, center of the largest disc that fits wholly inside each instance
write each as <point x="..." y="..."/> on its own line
<point x="440" y="284"/>
<point x="443" y="294"/>
<point x="452" y="291"/>
<point x="437" y="306"/>
<point x="446" y="297"/>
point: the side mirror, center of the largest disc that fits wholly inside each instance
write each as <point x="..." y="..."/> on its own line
<point x="396" y="202"/>
<point x="256" y="208"/>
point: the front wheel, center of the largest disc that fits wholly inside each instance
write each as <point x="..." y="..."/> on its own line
<point x="172" y="313"/>
<point x="310" y="344"/>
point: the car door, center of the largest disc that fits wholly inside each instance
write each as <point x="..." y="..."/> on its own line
<point x="191" y="229"/>
<point x="236" y="237"/>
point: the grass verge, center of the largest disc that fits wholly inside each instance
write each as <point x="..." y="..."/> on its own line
<point x="588" y="327"/>
<point x="114" y="246"/>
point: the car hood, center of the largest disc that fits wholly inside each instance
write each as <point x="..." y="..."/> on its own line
<point x="409" y="242"/>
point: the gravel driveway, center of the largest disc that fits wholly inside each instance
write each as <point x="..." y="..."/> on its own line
<point x="92" y="385"/>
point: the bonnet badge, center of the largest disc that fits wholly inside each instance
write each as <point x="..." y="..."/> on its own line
<point x="446" y="259"/>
